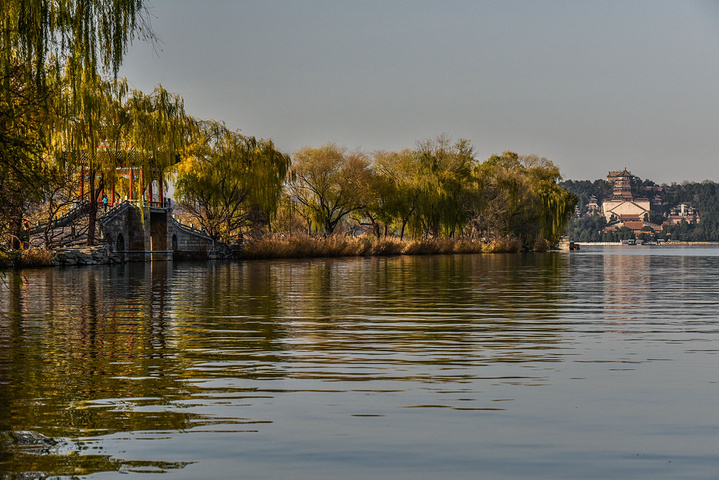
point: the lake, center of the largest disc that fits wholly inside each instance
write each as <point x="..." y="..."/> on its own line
<point x="600" y="363"/>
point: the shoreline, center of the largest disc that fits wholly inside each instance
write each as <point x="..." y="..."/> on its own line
<point x="298" y="247"/>
<point x="664" y="244"/>
<point x="270" y="248"/>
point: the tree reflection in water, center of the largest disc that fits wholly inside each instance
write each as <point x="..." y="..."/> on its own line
<point x="89" y="353"/>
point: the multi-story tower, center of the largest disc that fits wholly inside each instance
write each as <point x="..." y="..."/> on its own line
<point x="625" y="203"/>
<point x="623" y="185"/>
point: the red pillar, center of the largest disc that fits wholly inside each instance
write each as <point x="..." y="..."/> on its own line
<point x="129" y="176"/>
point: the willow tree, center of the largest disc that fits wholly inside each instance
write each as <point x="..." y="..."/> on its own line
<point x="23" y="145"/>
<point x="519" y="197"/>
<point x="228" y="182"/>
<point x="444" y="170"/>
<point x="503" y="196"/>
<point x="329" y="183"/>
<point x="555" y="204"/>
<point x="85" y="124"/>
<point x="397" y="189"/>
<point x="105" y="127"/>
<point x="159" y="131"/>
<point x="41" y="40"/>
<point x="85" y="35"/>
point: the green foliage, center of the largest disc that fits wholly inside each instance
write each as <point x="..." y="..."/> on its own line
<point x="328" y="184"/>
<point x="396" y="189"/>
<point x="704" y="197"/>
<point x="24" y="119"/>
<point x="159" y="129"/>
<point x="519" y="196"/>
<point x="50" y="56"/>
<point x="444" y="170"/>
<point x="229" y="181"/>
<point x="84" y="35"/>
<point x="104" y="126"/>
<point x="438" y="190"/>
<point x="587" y="228"/>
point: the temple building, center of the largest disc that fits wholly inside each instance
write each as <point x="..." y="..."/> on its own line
<point x="625" y="204"/>
<point x="682" y="213"/>
<point x="593" y="207"/>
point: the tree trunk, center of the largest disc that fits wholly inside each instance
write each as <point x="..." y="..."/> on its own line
<point x="329" y="227"/>
<point x="93" y="195"/>
<point x="15" y="232"/>
<point x="92" y="222"/>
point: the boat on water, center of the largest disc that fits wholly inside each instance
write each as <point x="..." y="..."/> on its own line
<point x="565" y="244"/>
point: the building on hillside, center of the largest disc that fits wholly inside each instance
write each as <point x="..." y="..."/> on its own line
<point x="593" y="206"/>
<point x="636" y="225"/>
<point x="681" y="213"/>
<point x="626" y="202"/>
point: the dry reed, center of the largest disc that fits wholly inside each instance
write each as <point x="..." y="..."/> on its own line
<point x="303" y="246"/>
<point x="36" y="257"/>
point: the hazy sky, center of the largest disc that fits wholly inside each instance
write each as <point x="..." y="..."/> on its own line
<point x="591" y="85"/>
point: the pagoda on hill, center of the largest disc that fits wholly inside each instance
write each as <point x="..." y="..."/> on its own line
<point x="626" y="203"/>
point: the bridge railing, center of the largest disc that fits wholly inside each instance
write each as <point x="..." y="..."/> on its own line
<point x="114" y="211"/>
<point x="190" y="229"/>
<point x="76" y="210"/>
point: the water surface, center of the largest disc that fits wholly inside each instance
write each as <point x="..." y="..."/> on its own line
<point x="601" y="363"/>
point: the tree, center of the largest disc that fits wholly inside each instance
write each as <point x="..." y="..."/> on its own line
<point x="503" y="198"/>
<point x="41" y="41"/>
<point x="444" y="172"/>
<point x="82" y="35"/>
<point x="77" y="143"/>
<point x="588" y="228"/>
<point x="555" y="204"/>
<point x="329" y="184"/>
<point x="23" y="144"/>
<point x="396" y="188"/>
<point x="520" y="197"/>
<point x="229" y="181"/>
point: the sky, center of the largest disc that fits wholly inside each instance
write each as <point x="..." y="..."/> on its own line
<point x="591" y="86"/>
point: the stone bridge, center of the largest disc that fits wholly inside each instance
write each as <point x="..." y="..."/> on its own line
<point x="149" y="232"/>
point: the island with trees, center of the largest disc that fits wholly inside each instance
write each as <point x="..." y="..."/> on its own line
<point x="73" y="134"/>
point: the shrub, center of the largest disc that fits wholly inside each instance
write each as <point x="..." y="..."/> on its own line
<point x="503" y="245"/>
<point x="36" y="257"/>
<point x="388" y="246"/>
<point x="8" y="258"/>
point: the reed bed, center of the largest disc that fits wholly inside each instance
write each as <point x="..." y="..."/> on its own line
<point x="36" y="257"/>
<point x="30" y="257"/>
<point x="304" y="246"/>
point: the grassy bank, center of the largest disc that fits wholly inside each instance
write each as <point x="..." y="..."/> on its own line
<point x="31" y="257"/>
<point x="303" y="246"/>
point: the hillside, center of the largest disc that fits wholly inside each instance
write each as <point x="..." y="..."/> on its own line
<point x="664" y="219"/>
